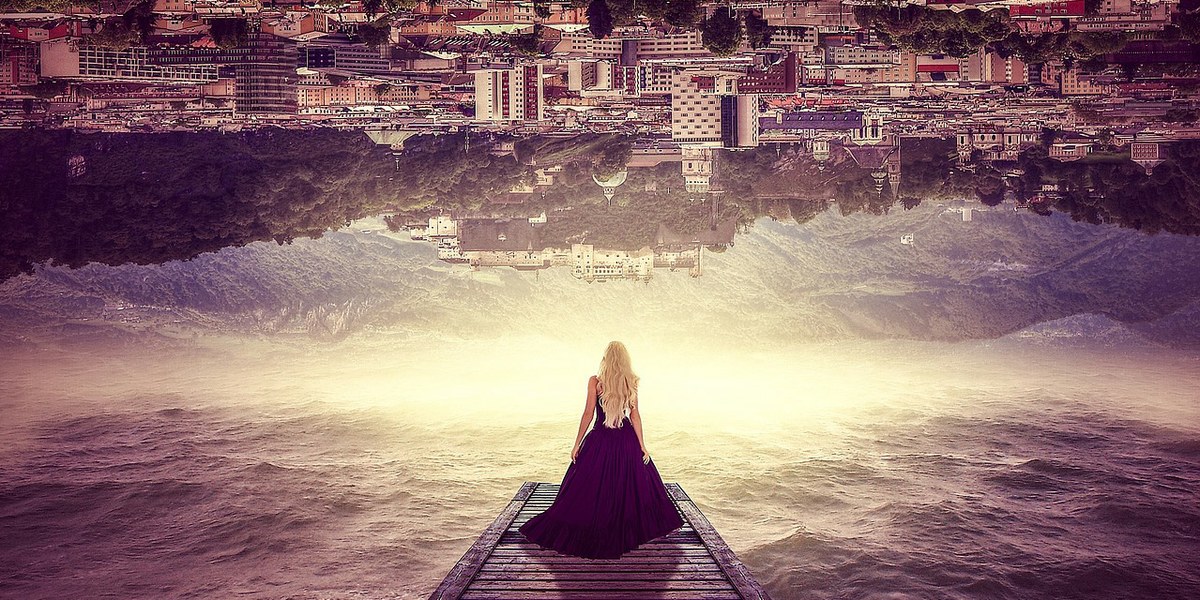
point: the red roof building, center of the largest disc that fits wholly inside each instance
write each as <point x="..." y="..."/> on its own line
<point x="1063" y="9"/>
<point x="779" y="78"/>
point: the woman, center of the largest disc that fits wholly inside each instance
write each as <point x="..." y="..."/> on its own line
<point x="611" y="499"/>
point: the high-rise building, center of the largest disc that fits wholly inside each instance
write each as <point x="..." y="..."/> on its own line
<point x="18" y="62"/>
<point x="739" y="121"/>
<point x="68" y="59"/>
<point x="707" y="110"/>
<point x="778" y="78"/>
<point x="265" y="70"/>
<point x="696" y="106"/>
<point x="339" y="51"/>
<point x="515" y="94"/>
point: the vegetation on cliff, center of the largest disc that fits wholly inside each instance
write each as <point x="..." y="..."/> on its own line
<point x="76" y="198"/>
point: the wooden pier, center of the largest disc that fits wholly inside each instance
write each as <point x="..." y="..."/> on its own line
<point x="692" y="563"/>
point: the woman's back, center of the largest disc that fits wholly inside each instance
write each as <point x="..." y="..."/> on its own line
<point x="600" y="413"/>
<point x="612" y="498"/>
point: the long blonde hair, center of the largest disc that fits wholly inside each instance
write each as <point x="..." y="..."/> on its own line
<point x="619" y="384"/>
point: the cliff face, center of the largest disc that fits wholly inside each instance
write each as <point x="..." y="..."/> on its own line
<point x="76" y="198"/>
<point x="150" y="198"/>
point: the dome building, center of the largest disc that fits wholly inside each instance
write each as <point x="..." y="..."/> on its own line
<point x="611" y="183"/>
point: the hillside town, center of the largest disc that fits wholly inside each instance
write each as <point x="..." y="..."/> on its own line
<point x="840" y="80"/>
<point x="735" y="74"/>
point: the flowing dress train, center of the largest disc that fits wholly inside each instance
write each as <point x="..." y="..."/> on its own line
<point x="610" y="502"/>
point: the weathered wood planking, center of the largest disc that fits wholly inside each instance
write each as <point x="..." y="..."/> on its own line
<point x="692" y="563"/>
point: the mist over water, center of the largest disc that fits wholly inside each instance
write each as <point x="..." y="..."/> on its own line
<point x="222" y="467"/>
<point x="340" y="418"/>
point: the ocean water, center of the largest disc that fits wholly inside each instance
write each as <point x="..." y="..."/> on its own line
<point x="231" y="467"/>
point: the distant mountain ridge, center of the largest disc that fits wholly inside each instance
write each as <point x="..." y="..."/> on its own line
<point x="834" y="277"/>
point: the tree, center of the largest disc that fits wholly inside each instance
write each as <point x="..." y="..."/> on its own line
<point x="600" y="22"/>
<point x="1189" y="27"/>
<point x="529" y="44"/>
<point x="47" y="89"/>
<point x="924" y="31"/>
<point x="990" y="190"/>
<point x="722" y="33"/>
<point x="376" y="33"/>
<point x="1180" y="115"/>
<point x="115" y="34"/>
<point x="683" y="13"/>
<point x="541" y="8"/>
<point x="612" y="159"/>
<point x="228" y="33"/>
<point x="758" y="32"/>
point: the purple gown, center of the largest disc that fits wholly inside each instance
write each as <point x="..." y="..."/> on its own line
<point x="610" y="502"/>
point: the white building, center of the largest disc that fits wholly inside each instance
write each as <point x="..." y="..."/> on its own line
<point x="697" y="168"/>
<point x="439" y="227"/>
<point x="590" y="264"/>
<point x="65" y="58"/>
<point x="515" y="94"/>
<point x="696" y="105"/>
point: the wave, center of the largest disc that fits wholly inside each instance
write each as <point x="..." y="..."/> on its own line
<point x="163" y="498"/>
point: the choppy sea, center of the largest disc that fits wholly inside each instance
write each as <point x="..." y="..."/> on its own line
<point x="1073" y="487"/>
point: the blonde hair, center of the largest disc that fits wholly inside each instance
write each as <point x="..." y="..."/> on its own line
<point x="619" y="384"/>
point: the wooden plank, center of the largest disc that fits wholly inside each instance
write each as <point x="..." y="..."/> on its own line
<point x="738" y="574"/>
<point x="655" y="545"/>
<point x="664" y="550"/>
<point x="690" y="563"/>
<point x="610" y="584"/>
<point x="537" y="571"/>
<point x="514" y="536"/>
<point x="525" y="516"/>
<point x="642" y="560"/>
<point x="599" y="595"/>
<point x="669" y="543"/>
<point x="564" y="576"/>
<point x="689" y="537"/>
<point x="521" y="518"/>
<point x="460" y="575"/>
<point x="514" y="529"/>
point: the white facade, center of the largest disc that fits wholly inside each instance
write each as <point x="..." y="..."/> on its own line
<point x="697" y="168"/>
<point x="696" y="106"/>
<point x="515" y="94"/>
<point x="439" y="226"/>
<point x="65" y="58"/>
<point x="590" y="264"/>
